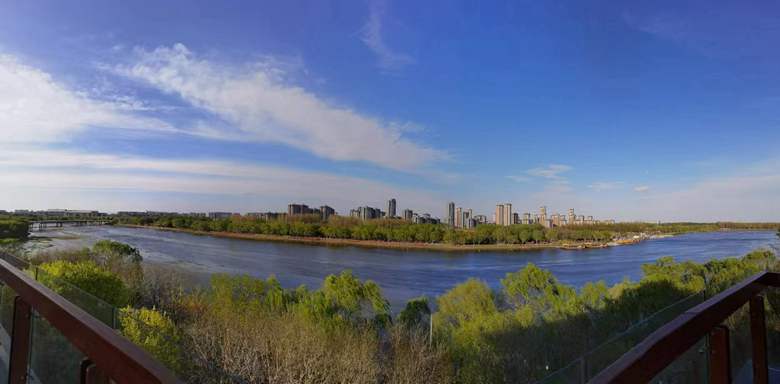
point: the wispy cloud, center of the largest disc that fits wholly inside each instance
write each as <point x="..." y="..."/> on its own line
<point x="34" y="108"/>
<point x="373" y="36"/>
<point x="66" y="174"/>
<point x="606" y="185"/>
<point x="519" y="179"/>
<point x="552" y="171"/>
<point x="253" y="102"/>
<point x="641" y="188"/>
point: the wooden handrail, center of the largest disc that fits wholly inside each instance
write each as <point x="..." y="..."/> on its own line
<point x="117" y="357"/>
<point x="648" y="358"/>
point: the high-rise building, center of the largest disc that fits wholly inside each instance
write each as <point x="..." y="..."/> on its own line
<point x="543" y="216"/>
<point x="515" y="218"/>
<point x="508" y="214"/>
<point x="451" y="214"/>
<point x="459" y="217"/>
<point x="468" y="219"/>
<point x="504" y="214"/>
<point x="408" y="214"/>
<point x="572" y="217"/>
<point x="391" y="208"/>
<point x="498" y="217"/>
<point x="527" y="218"/>
<point x="326" y="212"/>
<point x="556" y="220"/>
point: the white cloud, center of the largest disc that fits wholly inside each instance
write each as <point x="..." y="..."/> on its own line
<point x="255" y="103"/>
<point x="641" y="188"/>
<point x="606" y="185"/>
<point x="519" y="179"/>
<point x="746" y="197"/>
<point x="67" y="175"/>
<point x="552" y="171"/>
<point x="34" y="108"/>
<point x="388" y="59"/>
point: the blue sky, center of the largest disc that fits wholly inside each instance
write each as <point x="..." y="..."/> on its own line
<point x="664" y="110"/>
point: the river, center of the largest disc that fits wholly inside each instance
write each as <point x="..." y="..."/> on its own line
<point x="401" y="274"/>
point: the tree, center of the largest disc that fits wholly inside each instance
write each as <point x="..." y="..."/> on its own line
<point x="415" y="313"/>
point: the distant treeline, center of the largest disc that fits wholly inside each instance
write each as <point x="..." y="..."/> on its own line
<point x="339" y="227"/>
<point x="13" y="229"/>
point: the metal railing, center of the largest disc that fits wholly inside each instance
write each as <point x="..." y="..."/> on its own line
<point x="109" y="356"/>
<point x="660" y="349"/>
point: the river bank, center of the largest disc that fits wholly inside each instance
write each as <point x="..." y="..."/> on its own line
<point x="401" y="245"/>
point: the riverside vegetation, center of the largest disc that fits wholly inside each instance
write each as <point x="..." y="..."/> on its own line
<point x="396" y="230"/>
<point x="248" y="330"/>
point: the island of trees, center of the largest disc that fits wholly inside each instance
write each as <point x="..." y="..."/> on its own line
<point x="388" y="232"/>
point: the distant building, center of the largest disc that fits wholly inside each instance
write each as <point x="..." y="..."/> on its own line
<point x="391" y="208"/>
<point x="543" y="217"/>
<point x="408" y="215"/>
<point x="266" y="215"/>
<point x="515" y="218"/>
<point x="459" y="217"/>
<point x="527" y="218"/>
<point x="572" y="217"/>
<point x="367" y="213"/>
<point x="298" y="209"/>
<point x="219" y="215"/>
<point x="326" y="212"/>
<point x="498" y="217"/>
<point x="425" y="218"/>
<point x="480" y="219"/>
<point x="468" y="219"/>
<point x="302" y="209"/>
<point x="451" y="214"/>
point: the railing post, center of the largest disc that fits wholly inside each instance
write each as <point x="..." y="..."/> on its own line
<point x="758" y="336"/>
<point x="20" y="342"/>
<point x="720" y="357"/>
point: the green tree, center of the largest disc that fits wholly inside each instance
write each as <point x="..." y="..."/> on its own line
<point x="415" y="313"/>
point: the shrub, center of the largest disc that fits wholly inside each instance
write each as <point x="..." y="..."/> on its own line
<point x="14" y="229"/>
<point x="154" y="332"/>
<point x="62" y="276"/>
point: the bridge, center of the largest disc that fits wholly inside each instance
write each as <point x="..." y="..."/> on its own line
<point x="40" y="225"/>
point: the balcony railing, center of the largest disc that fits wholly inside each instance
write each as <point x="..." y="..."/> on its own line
<point x="108" y="356"/>
<point x="661" y="348"/>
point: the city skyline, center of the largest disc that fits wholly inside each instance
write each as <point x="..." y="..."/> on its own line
<point x="625" y="110"/>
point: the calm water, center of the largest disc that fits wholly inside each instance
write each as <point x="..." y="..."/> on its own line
<point x="404" y="274"/>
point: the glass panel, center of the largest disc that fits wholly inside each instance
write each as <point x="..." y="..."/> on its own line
<point x="740" y="345"/>
<point x="53" y="359"/>
<point x="773" y="332"/>
<point x="94" y="306"/>
<point x="691" y="367"/>
<point x="608" y="352"/>
<point x="7" y="296"/>
<point x="573" y="373"/>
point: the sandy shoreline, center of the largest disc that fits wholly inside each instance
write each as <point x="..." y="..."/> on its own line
<point x="376" y="243"/>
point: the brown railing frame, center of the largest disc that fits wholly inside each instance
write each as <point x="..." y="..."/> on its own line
<point x="662" y="347"/>
<point x="112" y="355"/>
